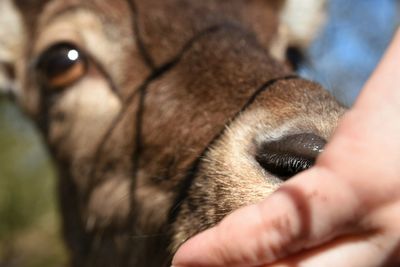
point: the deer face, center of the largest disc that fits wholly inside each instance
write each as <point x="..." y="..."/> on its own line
<point x="163" y="116"/>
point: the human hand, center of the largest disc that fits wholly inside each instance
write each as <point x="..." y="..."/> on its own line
<point x="345" y="211"/>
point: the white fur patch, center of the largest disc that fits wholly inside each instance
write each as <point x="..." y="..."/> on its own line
<point x="300" y="22"/>
<point x="11" y="40"/>
<point x="303" y="19"/>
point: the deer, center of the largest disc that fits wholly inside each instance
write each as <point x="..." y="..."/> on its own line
<point x="163" y="116"/>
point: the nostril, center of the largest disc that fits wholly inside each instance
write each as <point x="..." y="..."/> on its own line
<point x="290" y="155"/>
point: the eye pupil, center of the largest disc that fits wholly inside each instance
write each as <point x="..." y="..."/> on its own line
<point x="61" y="65"/>
<point x="58" y="59"/>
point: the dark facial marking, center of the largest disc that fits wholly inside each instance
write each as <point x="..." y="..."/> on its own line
<point x="135" y="27"/>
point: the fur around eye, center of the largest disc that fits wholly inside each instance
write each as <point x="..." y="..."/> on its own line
<point x="61" y="65"/>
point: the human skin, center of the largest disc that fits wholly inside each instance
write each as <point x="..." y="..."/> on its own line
<point x="345" y="211"/>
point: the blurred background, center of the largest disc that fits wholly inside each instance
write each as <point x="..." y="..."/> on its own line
<point x="351" y="44"/>
<point x="342" y="58"/>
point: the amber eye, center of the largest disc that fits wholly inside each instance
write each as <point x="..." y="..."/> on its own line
<point x="61" y="65"/>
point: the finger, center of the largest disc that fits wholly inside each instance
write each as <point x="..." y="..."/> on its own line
<point x="366" y="250"/>
<point x="383" y="86"/>
<point x="298" y="216"/>
<point x="366" y="143"/>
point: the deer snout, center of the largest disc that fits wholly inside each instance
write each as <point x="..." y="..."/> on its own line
<point x="279" y="134"/>
<point x="290" y="155"/>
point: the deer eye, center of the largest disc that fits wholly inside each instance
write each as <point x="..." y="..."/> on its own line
<point x="61" y="65"/>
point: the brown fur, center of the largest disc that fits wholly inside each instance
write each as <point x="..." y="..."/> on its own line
<point x="157" y="142"/>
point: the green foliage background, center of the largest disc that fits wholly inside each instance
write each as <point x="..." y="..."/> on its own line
<point x="29" y="222"/>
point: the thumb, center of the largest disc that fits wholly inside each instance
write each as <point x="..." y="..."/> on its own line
<point x="297" y="216"/>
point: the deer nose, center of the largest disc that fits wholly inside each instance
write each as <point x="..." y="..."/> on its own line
<point x="290" y="155"/>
